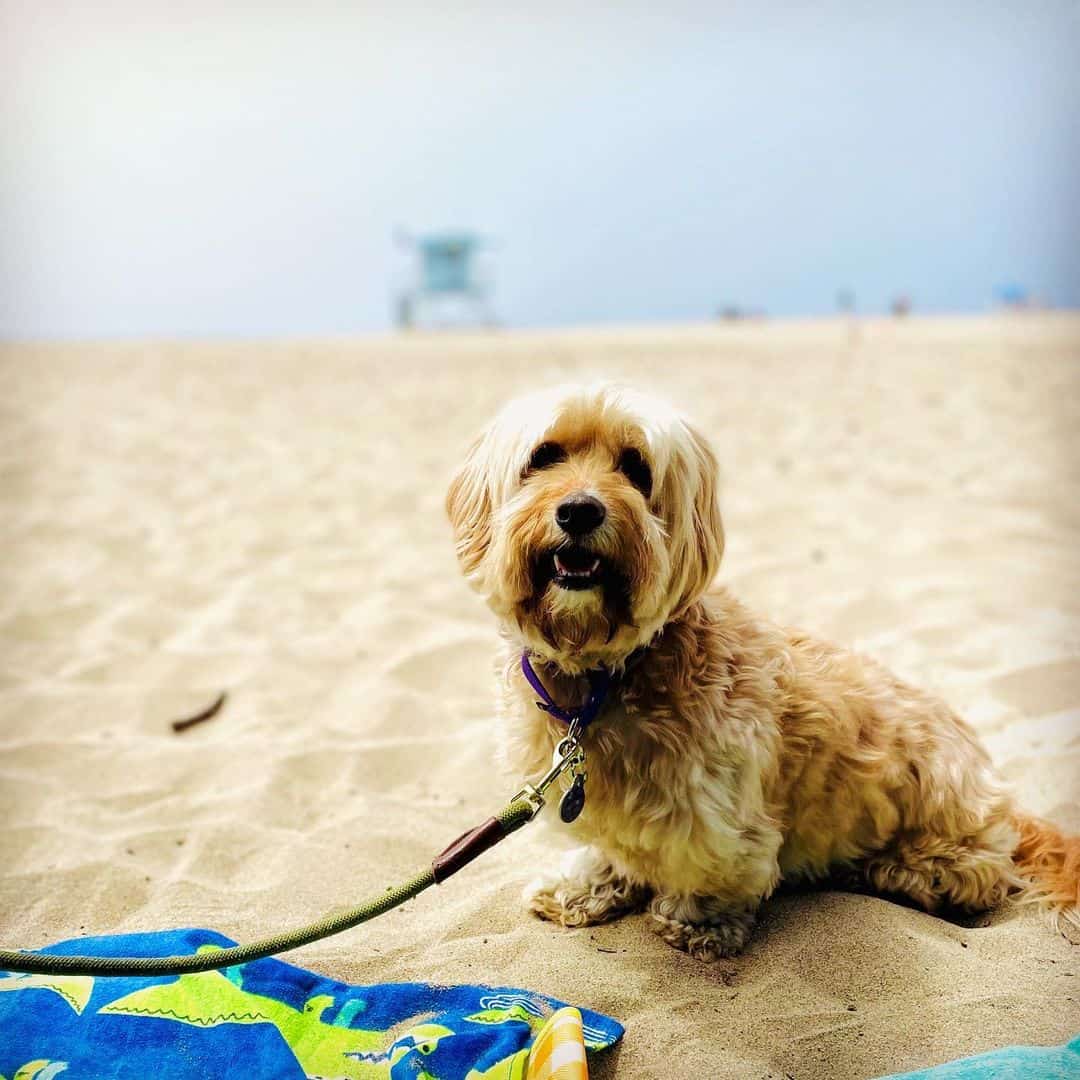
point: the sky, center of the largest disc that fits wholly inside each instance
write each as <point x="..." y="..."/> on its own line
<point x="238" y="170"/>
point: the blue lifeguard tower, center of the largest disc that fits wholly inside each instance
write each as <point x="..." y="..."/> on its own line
<point x="447" y="289"/>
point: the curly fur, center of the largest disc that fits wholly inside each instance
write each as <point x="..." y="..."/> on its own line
<point x="736" y="753"/>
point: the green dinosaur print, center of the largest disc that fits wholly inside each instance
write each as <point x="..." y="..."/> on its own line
<point x="210" y="999"/>
<point x="74" y="989"/>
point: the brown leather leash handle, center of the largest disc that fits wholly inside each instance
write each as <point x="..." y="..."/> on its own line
<point x="467" y="847"/>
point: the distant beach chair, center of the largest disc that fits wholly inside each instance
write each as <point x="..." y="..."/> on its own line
<point x="448" y="290"/>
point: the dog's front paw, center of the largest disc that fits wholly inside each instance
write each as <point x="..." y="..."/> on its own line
<point x="707" y="934"/>
<point x="587" y="891"/>
<point x="552" y="900"/>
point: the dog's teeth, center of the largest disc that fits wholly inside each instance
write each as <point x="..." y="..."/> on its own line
<point x="564" y="571"/>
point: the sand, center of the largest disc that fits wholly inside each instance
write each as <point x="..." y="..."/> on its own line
<point x="180" y="519"/>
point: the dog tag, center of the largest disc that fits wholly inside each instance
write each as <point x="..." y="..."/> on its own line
<point x="573" y="802"/>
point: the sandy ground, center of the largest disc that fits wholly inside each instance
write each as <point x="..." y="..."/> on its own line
<point x="181" y="519"/>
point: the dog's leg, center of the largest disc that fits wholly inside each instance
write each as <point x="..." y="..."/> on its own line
<point x="974" y="873"/>
<point x="586" y="890"/>
<point x="703" y="926"/>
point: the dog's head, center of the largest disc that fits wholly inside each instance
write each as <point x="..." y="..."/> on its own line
<point x="587" y="517"/>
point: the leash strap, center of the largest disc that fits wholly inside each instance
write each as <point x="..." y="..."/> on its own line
<point x="521" y="809"/>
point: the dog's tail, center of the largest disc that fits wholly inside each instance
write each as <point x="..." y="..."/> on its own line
<point x="1049" y="863"/>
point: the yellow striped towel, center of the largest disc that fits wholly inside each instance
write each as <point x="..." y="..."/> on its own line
<point x="559" y="1050"/>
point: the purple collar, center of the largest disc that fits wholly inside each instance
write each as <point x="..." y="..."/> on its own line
<point x="600" y="683"/>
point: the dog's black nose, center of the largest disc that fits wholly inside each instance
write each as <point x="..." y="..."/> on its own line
<point x="580" y="514"/>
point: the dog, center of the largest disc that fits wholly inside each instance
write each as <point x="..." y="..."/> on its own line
<point x="730" y="754"/>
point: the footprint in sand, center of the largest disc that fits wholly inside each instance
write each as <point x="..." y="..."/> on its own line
<point x="1040" y="689"/>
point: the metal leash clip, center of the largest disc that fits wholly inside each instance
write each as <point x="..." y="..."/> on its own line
<point x="569" y="755"/>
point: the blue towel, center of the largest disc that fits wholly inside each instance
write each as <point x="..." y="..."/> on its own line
<point x="1010" y="1063"/>
<point x="266" y="1019"/>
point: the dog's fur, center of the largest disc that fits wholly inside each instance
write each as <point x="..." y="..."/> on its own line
<point x="732" y="753"/>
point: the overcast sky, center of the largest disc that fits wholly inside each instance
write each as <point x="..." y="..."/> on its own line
<point x="207" y="169"/>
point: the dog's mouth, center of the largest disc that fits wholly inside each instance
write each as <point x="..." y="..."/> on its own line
<point x="574" y="567"/>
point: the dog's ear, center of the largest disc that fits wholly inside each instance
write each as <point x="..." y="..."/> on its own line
<point x="468" y="505"/>
<point x="695" y="509"/>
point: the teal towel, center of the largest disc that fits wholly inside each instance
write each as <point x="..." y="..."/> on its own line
<point x="1010" y="1063"/>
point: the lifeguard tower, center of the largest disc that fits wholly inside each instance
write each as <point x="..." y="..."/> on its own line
<point x="447" y="289"/>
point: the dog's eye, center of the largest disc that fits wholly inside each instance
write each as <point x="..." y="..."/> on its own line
<point x="636" y="469"/>
<point x="544" y="456"/>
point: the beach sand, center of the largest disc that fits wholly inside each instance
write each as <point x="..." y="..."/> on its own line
<point x="181" y="519"/>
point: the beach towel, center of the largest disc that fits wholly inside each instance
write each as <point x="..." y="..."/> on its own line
<point x="1009" y="1063"/>
<point x="268" y="1019"/>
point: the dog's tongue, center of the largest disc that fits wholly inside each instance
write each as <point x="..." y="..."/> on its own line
<point x="576" y="561"/>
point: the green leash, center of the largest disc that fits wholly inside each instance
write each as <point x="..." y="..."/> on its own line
<point x="521" y="809"/>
